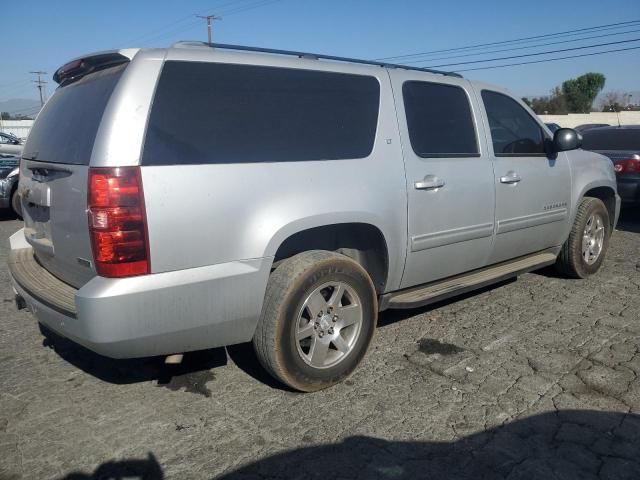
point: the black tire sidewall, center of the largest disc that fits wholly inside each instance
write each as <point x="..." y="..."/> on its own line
<point x="583" y="268"/>
<point x="300" y="372"/>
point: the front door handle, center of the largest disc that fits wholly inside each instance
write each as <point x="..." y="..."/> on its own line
<point x="510" y="178"/>
<point x="429" y="182"/>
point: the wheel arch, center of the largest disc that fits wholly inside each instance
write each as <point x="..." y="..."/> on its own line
<point x="607" y="195"/>
<point x="364" y="242"/>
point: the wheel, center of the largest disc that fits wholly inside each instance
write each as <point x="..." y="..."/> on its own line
<point x="15" y="203"/>
<point x="318" y="319"/>
<point x="583" y="252"/>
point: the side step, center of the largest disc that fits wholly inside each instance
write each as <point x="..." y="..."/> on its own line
<point x="443" y="289"/>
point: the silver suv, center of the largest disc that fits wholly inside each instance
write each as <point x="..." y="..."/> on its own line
<point x="199" y="196"/>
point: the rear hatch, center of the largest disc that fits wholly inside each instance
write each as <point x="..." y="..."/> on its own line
<point x="54" y="172"/>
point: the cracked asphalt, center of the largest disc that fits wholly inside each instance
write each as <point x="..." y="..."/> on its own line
<point x="534" y="378"/>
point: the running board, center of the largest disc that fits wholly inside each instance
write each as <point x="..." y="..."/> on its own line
<point x="443" y="289"/>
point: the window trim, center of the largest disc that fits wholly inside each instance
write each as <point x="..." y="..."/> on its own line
<point x="471" y="112"/>
<point x="545" y="137"/>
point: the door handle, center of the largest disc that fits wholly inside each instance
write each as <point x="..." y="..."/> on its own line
<point x="429" y="182"/>
<point x="510" y="178"/>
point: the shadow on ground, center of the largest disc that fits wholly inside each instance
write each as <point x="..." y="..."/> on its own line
<point x="570" y="444"/>
<point x="192" y="375"/>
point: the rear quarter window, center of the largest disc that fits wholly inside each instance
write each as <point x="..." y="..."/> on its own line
<point x="223" y="113"/>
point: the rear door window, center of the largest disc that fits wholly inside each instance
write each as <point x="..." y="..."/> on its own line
<point x="66" y="128"/>
<point x="439" y="120"/>
<point x="513" y="131"/>
<point x="224" y="113"/>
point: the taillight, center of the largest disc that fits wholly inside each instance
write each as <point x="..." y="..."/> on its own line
<point x="117" y="222"/>
<point x="628" y="165"/>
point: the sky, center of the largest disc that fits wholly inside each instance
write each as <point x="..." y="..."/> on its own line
<point x="43" y="35"/>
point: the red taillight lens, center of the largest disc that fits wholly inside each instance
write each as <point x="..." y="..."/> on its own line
<point x="117" y="222"/>
<point x="628" y="165"/>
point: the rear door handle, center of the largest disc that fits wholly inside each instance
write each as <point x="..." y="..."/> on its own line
<point x="510" y="178"/>
<point x="429" y="182"/>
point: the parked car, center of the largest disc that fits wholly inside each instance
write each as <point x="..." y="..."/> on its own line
<point x="10" y="144"/>
<point x="9" y="167"/>
<point x="622" y="146"/>
<point x="206" y="196"/>
<point x="588" y="126"/>
<point x="553" y="126"/>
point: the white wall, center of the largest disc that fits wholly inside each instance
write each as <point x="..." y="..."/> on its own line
<point x="19" y="128"/>
<point x="574" y="119"/>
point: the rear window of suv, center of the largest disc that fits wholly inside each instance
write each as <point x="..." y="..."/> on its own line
<point x="226" y="113"/>
<point x="66" y="127"/>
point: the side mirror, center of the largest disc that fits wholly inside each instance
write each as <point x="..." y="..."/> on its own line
<point x="566" y="139"/>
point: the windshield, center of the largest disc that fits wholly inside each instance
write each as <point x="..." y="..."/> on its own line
<point x="66" y="128"/>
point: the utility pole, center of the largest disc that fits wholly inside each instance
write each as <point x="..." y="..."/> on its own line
<point x="210" y="19"/>
<point x="40" y="84"/>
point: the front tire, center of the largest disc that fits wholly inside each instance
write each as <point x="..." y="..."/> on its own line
<point x="584" y="251"/>
<point x="318" y="319"/>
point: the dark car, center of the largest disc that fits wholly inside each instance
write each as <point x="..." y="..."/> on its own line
<point x="588" y="126"/>
<point x="622" y="146"/>
<point x="553" y="127"/>
<point x="9" y="168"/>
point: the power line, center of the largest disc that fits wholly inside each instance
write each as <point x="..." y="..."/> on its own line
<point x="502" y="42"/>
<point x="156" y="32"/>
<point x="520" y="48"/>
<point x="225" y="13"/>
<point x="549" y="59"/>
<point x="548" y="52"/>
<point x="252" y="6"/>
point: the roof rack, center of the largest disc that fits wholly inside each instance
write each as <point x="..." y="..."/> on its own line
<point x="315" y="56"/>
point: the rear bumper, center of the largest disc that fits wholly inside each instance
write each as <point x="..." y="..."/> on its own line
<point x="149" y="315"/>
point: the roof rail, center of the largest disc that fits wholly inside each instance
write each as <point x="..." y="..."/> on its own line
<point x="316" y="56"/>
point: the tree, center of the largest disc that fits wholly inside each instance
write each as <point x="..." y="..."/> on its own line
<point x="553" y="104"/>
<point x="580" y="92"/>
<point x="612" y="101"/>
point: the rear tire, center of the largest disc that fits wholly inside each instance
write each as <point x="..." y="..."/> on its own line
<point x="15" y="203"/>
<point x="318" y="319"/>
<point x="584" y="251"/>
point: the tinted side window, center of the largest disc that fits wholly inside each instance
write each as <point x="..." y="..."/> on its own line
<point x="223" y="113"/>
<point x="513" y="131"/>
<point x="439" y="120"/>
<point x="611" y="139"/>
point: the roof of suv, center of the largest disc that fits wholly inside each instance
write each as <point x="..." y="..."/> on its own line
<point x="313" y="56"/>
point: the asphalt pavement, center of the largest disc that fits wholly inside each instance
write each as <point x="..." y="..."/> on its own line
<point x="533" y="378"/>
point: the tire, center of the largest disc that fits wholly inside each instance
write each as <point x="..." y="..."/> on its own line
<point x="575" y="261"/>
<point x="318" y="319"/>
<point x="15" y="203"/>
